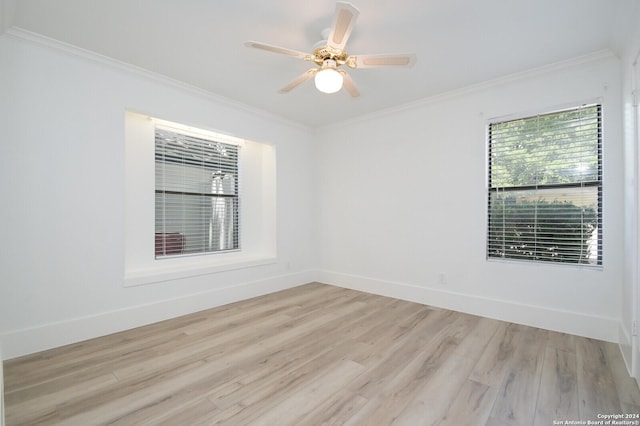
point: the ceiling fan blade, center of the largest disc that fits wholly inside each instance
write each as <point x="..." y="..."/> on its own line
<point x="376" y="61"/>
<point x="342" y="25"/>
<point x="349" y="85"/>
<point x="278" y="49"/>
<point x="299" y="80"/>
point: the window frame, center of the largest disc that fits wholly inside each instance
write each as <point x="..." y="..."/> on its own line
<point x="597" y="184"/>
<point x="258" y="183"/>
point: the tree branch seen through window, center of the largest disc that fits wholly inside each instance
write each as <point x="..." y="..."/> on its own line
<point x="545" y="187"/>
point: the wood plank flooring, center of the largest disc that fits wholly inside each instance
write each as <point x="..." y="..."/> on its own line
<point x="322" y="355"/>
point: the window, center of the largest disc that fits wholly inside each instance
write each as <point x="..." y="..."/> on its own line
<point x="252" y="227"/>
<point x="545" y="187"/>
<point x="196" y="194"/>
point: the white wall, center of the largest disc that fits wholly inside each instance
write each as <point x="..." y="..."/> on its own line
<point x="62" y="180"/>
<point x="7" y="12"/>
<point x="403" y="200"/>
<point x="630" y="54"/>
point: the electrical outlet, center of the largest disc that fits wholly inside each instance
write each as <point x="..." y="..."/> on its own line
<point x="442" y="279"/>
<point x="634" y="328"/>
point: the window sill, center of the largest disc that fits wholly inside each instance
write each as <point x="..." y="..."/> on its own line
<point x="174" y="272"/>
<point x="543" y="264"/>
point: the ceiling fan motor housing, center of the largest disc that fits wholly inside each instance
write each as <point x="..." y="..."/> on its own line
<point x="323" y="53"/>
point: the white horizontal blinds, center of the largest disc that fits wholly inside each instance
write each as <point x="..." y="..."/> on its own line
<point x="197" y="199"/>
<point x="545" y="187"/>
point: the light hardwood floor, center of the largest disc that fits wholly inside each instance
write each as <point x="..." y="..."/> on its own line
<point x="318" y="354"/>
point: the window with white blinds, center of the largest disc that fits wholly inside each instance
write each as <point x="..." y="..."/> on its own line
<point x="196" y="195"/>
<point x="545" y="187"/>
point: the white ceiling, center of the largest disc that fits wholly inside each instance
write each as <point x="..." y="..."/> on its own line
<point x="458" y="43"/>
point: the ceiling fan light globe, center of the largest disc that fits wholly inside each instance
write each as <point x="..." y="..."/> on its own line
<point x="328" y="80"/>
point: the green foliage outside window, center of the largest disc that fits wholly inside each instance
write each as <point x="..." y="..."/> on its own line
<point x="553" y="148"/>
<point x="554" y="231"/>
<point x="545" y="187"/>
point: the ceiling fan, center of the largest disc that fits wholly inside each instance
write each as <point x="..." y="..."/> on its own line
<point x="329" y="55"/>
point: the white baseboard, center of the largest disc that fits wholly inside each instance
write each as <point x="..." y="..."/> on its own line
<point x="34" y="339"/>
<point x="624" y="340"/>
<point x="1" y="389"/>
<point x="596" y="327"/>
<point x="635" y="370"/>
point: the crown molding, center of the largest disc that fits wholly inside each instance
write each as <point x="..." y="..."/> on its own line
<point x="72" y="50"/>
<point x="22" y="34"/>
<point x="478" y="87"/>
